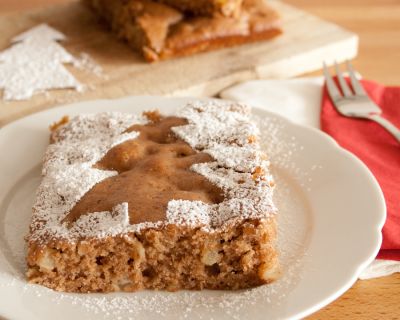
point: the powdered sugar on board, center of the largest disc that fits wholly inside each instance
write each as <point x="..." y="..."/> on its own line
<point x="35" y="63"/>
<point x="293" y="222"/>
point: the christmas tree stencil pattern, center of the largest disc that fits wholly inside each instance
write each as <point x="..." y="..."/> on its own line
<point x="35" y="63"/>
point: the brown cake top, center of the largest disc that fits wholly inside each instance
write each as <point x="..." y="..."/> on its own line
<point x="152" y="169"/>
<point x="214" y="173"/>
<point x="162" y="31"/>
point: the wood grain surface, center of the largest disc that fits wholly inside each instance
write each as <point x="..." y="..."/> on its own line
<point x="377" y="23"/>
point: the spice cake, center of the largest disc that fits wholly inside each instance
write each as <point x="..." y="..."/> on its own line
<point x="160" y="32"/>
<point x="130" y="202"/>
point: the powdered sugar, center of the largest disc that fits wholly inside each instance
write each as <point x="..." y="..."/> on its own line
<point x="69" y="174"/>
<point x="216" y="128"/>
<point x="35" y="63"/>
<point x="86" y="62"/>
<point x="245" y="197"/>
<point x="199" y="212"/>
<point x="216" y="123"/>
<point x="99" y="224"/>
<point x="240" y="158"/>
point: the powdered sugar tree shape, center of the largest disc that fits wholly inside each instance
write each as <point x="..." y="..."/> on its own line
<point x="35" y="64"/>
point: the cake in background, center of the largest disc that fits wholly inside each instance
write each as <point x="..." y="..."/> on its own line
<point x="159" y="31"/>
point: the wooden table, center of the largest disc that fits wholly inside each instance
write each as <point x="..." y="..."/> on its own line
<point x="378" y="24"/>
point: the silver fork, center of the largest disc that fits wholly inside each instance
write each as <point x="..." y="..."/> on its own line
<point x="357" y="104"/>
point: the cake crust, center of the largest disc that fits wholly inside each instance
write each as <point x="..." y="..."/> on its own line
<point x="156" y="202"/>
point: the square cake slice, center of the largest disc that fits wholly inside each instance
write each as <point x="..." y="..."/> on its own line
<point x="157" y="202"/>
<point x="159" y="32"/>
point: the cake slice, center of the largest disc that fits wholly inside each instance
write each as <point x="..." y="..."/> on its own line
<point x="226" y="8"/>
<point x="160" y="32"/>
<point x="158" y="202"/>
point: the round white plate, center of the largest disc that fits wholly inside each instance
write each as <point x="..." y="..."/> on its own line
<point x="330" y="220"/>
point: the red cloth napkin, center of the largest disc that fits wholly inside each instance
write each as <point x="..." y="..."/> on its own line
<point x="377" y="149"/>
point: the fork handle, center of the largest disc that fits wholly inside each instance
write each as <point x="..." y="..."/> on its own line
<point x="386" y="124"/>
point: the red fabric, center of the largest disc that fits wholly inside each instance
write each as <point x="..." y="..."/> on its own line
<point x="377" y="149"/>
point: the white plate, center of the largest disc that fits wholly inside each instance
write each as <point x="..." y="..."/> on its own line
<point x="331" y="215"/>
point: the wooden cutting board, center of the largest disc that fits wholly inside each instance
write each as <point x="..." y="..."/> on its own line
<point x="306" y="43"/>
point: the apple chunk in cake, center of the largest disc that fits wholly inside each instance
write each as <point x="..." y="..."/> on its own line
<point x="158" y="202"/>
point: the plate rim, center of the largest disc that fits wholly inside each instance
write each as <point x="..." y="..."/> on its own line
<point x="325" y="138"/>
